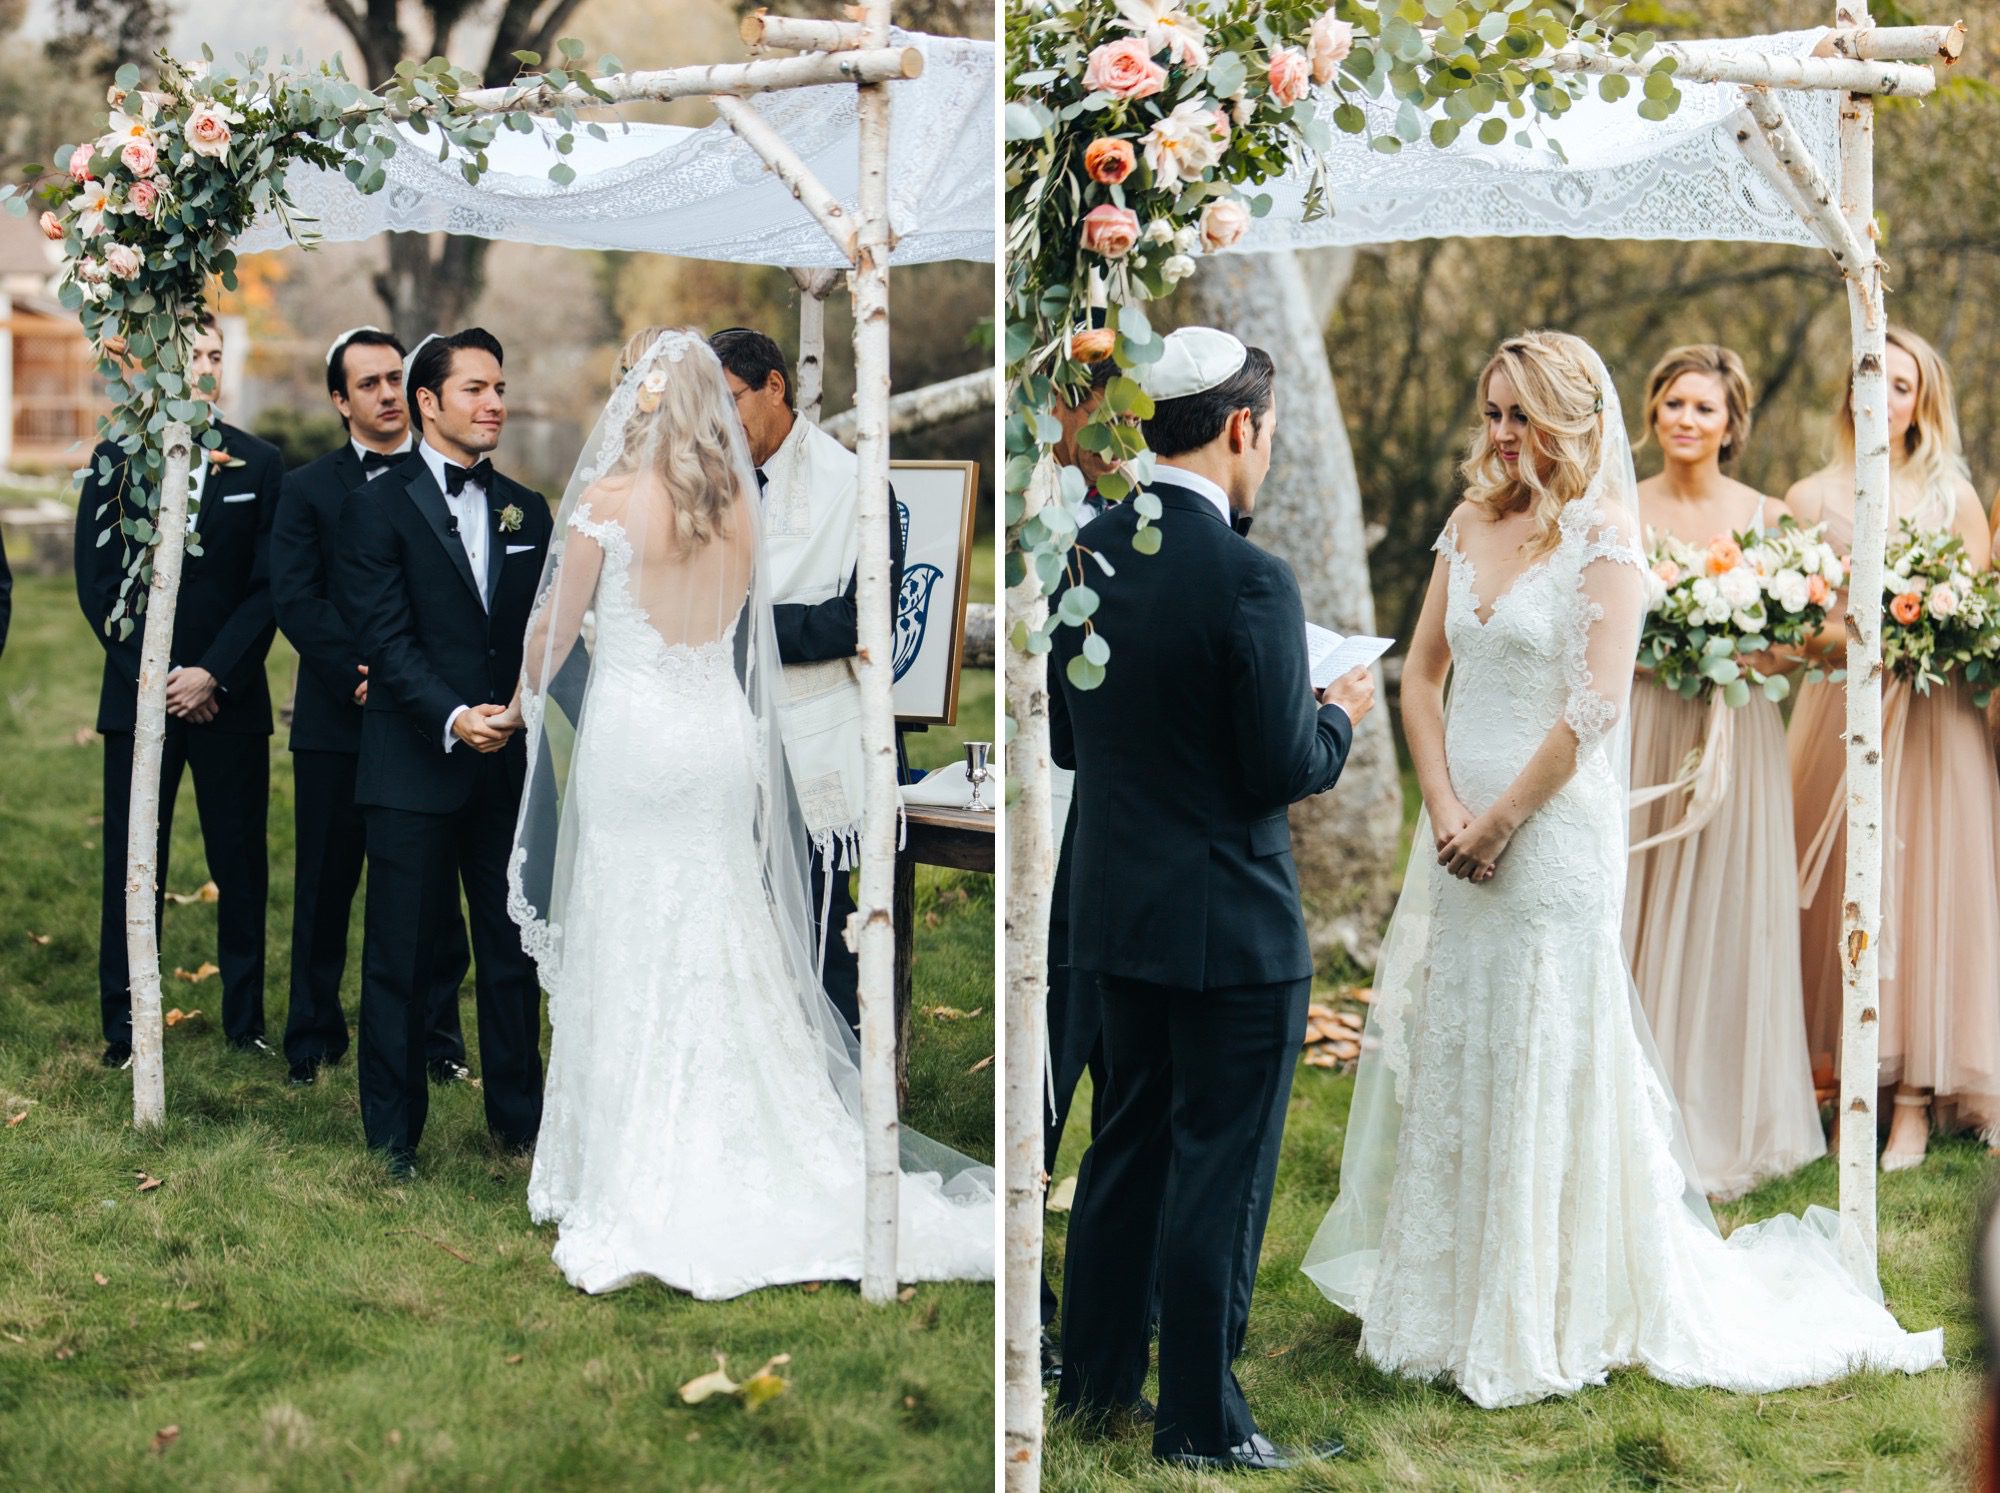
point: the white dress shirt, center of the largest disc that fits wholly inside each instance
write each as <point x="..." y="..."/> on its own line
<point x="1166" y="471"/>
<point x="469" y="508"/>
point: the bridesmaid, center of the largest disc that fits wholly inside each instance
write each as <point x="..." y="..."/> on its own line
<point x="1711" y="917"/>
<point x="1940" y="1033"/>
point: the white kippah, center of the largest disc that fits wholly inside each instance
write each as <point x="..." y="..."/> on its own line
<point x="343" y="339"/>
<point x="1196" y="360"/>
<point x="429" y="337"/>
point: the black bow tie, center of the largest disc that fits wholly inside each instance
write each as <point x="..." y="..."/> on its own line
<point x="374" y="461"/>
<point x="455" y="477"/>
<point x="1241" y="522"/>
<point x="762" y="481"/>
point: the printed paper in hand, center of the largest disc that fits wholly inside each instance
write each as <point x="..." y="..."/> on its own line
<point x="1329" y="655"/>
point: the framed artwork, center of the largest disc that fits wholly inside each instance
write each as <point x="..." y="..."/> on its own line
<point x="937" y="505"/>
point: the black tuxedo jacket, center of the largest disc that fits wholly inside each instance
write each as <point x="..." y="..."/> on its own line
<point x="403" y="584"/>
<point x="1203" y="731"/>
<point x="305" y="540"/>
<point x="222" y="617"/>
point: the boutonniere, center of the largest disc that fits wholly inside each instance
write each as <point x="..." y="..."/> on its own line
<point x="510" y="520"/>
<point x="221" y="458"/>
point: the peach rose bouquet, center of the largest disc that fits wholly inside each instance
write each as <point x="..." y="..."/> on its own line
<point x="1940" y="617"/>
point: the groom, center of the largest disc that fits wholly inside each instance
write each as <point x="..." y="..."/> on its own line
<point x="1185" y="909"/>
<point x="438" y="564"/>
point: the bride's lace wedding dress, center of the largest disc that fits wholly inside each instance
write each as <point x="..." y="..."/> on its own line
<point x="1515" y="1210"/>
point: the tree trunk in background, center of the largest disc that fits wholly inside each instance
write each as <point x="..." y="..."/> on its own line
<point x="427" y="291"/>
<point x="1309" y="514"/>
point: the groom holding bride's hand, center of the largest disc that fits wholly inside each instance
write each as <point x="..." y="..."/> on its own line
<point x="1185" y="909"/>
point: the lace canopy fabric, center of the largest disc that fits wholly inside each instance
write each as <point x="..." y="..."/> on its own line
<point x="1681" y="178"/>
<point x="699" y="194"/>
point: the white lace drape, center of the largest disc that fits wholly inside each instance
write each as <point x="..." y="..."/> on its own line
<point x="699" y="194"/>
<point x="1682" y="178"/>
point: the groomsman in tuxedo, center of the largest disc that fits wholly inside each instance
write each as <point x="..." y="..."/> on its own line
<point x="218" y="705"/>
<point x="364" y="380"/>
<point x="1185" y="908"/>
<point x="809" y="485"/>
<point x="436" y="569"/>
<point x="6" y="597"/>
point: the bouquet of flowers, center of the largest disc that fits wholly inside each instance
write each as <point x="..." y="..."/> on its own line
<point x="1708" y="606"/>
<point x="1939" y="614"/>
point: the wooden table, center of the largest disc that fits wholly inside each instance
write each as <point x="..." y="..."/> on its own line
<point x="960" y="839"/>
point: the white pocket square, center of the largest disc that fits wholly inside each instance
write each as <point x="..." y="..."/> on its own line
<point x="239" y="497"/>
<point x="519" y="549"/>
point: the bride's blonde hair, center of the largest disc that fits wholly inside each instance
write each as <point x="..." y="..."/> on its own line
<point x="1555" y="383"/>
<point x="685" y="432"/>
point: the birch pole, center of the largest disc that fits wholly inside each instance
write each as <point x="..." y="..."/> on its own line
<point x="1030" y="885"/>
<point x="814" y="287"/>
<point x="873" y="933"/>
<point x="1861" y="900"/>
<point x="149" y="738"/>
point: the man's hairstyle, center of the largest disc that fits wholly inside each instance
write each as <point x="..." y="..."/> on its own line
<point x="336" y="367"/>
<point x="752" y="357"/>
<point x="1191" y="422"/>
<point x="206" y="322"/>
<point x="432" y="364"/>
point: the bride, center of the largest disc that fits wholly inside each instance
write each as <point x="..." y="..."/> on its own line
<point x="702" y="1119"/>
<point x="1517" y="1210"/>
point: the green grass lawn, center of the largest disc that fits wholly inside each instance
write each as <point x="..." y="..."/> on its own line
<point x="307" y="1324"/>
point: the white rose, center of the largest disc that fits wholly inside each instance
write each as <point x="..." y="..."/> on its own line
<point x="1788" y="588"/>
<point x="1703" y="593"/>
<point x="1656" y="592"/>
<point x="1159" y="231"/>
<point x="1177" y="268"/>
<point x="1187" y="239"/>
<point x="1739" y="587"/>
<point x="1749" y="620"/>
<point x="1183" y="145"/>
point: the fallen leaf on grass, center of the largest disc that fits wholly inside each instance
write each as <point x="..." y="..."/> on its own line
<point x="196" y="1345"/>
<point x="760" y="1387"/>
<point x="188" y="1306"/>
<point x="981" y="1066"/>
<point x="100" y="1277"/>
<point x="907" y="1295"/>
<point x="41" y="940"/>
<point x="13" y="1337"/>
<point x="952" y="1013"/>
<point x="83" y="736"/>
<point x="163" y="1438"/>
<point x="513" y="1358"/>
<point x="13" y="1120"/>
<point x="206" y="892"/>
<point x="147" y="1183"/>
<point x="194" y="977"/>
<point x="811" y="1287"/>
<point x="176" y="1016"/>
<point x="1063" y="1198"/>
<point x="1279" y="1352"/>
<point x="63" y="1355"/>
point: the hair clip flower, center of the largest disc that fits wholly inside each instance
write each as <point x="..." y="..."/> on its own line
<point x="651" y="388"/>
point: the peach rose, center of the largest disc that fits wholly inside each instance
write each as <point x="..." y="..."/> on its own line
<point x="1907" y="608"/>
<point x="1110" y="231"/>
<point x="123" y="261"/>
<point x="1093" y="346"/>
<point x="51" y="227"/>
<point x="79" y="164"/>
<point x="143" y="198"/>
<point x="1124" y="69"/>
<point x="1817" y="590"/>
<point x="1289" y="75"/>
<point x="141" y="157"/>
<point x="1223" y="223"/>
<point x="1724" y="554"/>
<point x="1109" y="161"/>
<point x="1668" y="572"/>
<point x="1328" y="46"/>
<point x="207" y="131"/>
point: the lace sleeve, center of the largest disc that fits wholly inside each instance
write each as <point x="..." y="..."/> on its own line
<point x="1604" y="642"/>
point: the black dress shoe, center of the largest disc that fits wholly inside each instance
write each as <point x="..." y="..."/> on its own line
<point x="254" y="1044"/>
<point x="117" y="1055"/>
<point x="445" y="1071"/>
<point x="402" y="1166"/>
<point x="303" y="1075"/>
<point x="1258" y="1455"/>
<point x="1051" y="1358"/>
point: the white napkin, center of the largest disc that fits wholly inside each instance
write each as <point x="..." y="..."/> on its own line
<point x="945" y="788"/>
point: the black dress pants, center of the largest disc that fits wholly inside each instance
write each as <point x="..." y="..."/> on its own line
<point x="330" y="846"/>
<point x="232" y="786"/>
<point x="416" y="865"/>
<point x="842" y="973"/>
<point x="1178" y="1179"/>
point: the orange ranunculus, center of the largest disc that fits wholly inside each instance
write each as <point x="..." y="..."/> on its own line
<point x="1724" y="554"/>
<point x="1109" y="161"/>
<point x="1817" y="590"/>
<point x="1907" y="608"/>
<point x="1093" y="346"/>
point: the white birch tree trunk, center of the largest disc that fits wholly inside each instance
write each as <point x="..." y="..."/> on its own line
<point x="1861" y="900"/>
<point x="1030" y="884"/>
<point x="1309" y="514"/>
<point x="149" y="737"/>
<point x="873" y="932"/>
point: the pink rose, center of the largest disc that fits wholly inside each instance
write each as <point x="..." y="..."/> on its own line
<point x="1289" y="75"/>
<point x="207" y="131"/>
<point x="1223" y="222"/>
<point x="1668" y="572"/>
<point x="1817" y="590"/>
<point x="1124" y="69"/>
<point x="123" y="261"/>
<point x="140" y="157"/>
<point x="142" y="198"/>
<point x="1943" y="602"/>
<point x="51" y="227"/>
<point x="1329" y="45"/>
<point x="1110" y="231"/>
<point x="79" y="164"/>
